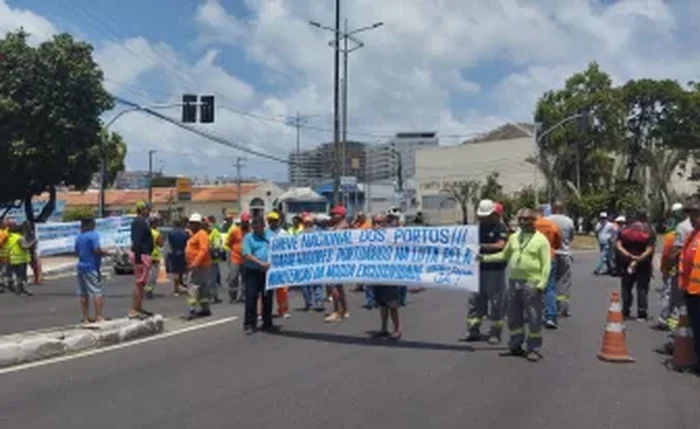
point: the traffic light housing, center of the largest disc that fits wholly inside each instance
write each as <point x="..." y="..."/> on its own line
<point x="189" y="108"/>
<point x="206" y="109"/>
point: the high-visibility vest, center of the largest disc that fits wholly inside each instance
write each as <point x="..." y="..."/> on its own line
<point x="690" y="276"/>
<point x="4" y="249"/>
<point x="17" y="254"/>
<point x="215" y="242"/>
<point x="155" y="254"/>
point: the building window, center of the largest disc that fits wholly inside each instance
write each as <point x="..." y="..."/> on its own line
<point x="437" y="202"/>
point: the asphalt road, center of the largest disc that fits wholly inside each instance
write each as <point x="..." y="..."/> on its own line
<point x="316" y="375"/>
<point x="55" y="304"/>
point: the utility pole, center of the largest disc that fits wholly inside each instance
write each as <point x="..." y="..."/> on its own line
<point x="339" y="152"/>
<point x="336" y="105"/>
<point x="150" y="176"/>
<point x="343" y="150"/>
<point x="239" y="168"/>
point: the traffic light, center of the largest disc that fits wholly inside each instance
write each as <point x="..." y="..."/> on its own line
<point x="189" y="108"/>
<point x="206" y="109"/>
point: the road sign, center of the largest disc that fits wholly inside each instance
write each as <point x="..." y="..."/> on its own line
<point x="184" y="188"/>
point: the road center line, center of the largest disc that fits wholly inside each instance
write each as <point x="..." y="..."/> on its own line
<point x="101" y="350"/>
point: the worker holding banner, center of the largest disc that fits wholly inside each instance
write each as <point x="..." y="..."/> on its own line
<point x="340" y="304"/>
<point x="529" y="261"/>
<point x="281" y="294"/>
<point x="387" y="300"/>
<point x="493" y="235"/>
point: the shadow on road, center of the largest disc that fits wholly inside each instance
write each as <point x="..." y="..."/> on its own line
<point x="367" y="341"/>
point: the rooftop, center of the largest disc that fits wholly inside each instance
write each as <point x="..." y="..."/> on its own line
<point x="126" y="197"/>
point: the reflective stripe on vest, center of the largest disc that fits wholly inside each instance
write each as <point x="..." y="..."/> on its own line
<point x="17" y="254"/>
<point x="156" y="250"/>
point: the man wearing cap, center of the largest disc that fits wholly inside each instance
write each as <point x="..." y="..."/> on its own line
<point x="529" y="262"/>
<point x="140" y="256"/>
<point x="681" y="233"/>
<point x="234" y="242"/>
<point x="282" y="293"/>
<point x="563" y="257"/>
<point x="636" y="243"/>
<point x="313" y="294"/>
<point x="256" y="256"/>
<point x="340" y="303"/>
<point x="604" y="229"/>
<point x="394" y="219"/>
<point x="199" y="261"/>
<point x="493" y="235"/>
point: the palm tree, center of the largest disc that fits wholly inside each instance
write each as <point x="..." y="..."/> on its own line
<point x="663" y="164"/>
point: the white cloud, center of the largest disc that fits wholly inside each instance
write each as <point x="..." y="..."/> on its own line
<point x="39" y="28"/>
<point x="415" y="72"/>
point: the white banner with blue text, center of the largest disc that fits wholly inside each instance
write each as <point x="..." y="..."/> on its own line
<point x="59" y="238"/>
<point x="438" y="257"/>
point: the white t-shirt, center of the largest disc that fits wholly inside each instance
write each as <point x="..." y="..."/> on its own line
<point x="682" y="230"/>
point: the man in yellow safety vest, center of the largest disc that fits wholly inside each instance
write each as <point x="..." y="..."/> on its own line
<point x="158" y="242"/>
<point x="19" y="253"/>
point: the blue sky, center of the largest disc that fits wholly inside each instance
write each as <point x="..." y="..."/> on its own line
<point x="453" y="66"/>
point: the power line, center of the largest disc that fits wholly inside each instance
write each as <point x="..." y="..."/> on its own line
<point x="201" y="133"/>
<point x="139" y="91"/>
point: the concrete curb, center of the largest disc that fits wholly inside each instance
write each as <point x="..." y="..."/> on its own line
<point x="68" y="270"/>
<point x="27" y="347"/>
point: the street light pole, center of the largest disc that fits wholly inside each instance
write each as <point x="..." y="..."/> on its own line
<point x="346" y="34"/>
<point x="103" y="147"/>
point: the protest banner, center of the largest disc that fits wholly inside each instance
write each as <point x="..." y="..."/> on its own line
<point x="57" y="238"/>
<point x="421" y="256"/>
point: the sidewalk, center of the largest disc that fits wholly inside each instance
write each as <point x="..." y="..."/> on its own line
<point x="55" y="266"/>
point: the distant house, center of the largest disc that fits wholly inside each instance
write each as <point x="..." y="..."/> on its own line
<point x="256" y="198"/>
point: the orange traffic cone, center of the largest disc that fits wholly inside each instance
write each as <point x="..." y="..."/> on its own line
<point x="614" y="348"/>
<point x="162" y="275"/>
<point x="683" y="350"/>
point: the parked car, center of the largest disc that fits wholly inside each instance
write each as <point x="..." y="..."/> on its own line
<point x="122" y="265"/>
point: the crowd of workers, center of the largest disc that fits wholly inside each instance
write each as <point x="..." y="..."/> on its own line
<point x="525" y="269"/>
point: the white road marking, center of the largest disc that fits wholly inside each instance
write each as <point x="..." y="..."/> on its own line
<point x="92" y="352"/>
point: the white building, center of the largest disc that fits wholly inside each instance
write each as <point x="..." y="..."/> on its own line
<point x="383" y="158"/>
<point x="437" y="167"/>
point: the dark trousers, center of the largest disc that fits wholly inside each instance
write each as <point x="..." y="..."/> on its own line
<point x="641" y="279"/>
<point x="254" y="287"/>
<point x="692" y="303"/>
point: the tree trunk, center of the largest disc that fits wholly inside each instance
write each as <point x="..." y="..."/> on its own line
<point x="49" y="208"/>
<point x="28" y="208"/>
<point x="465" y="213"/>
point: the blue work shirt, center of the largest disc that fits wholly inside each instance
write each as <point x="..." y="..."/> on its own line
<point x="177" y="239"/>
<point x="257" y="246"/>
<point x="85" y="245"/>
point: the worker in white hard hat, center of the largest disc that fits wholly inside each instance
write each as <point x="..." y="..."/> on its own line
<point x="198" y="265"/>
<point x="489" y="301"/>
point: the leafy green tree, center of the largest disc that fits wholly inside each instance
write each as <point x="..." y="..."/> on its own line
<point x="116" y="155"/>
<point x="465" y="193"/>
<point x="51" y="100"/>
<point x="491" y="189"/>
